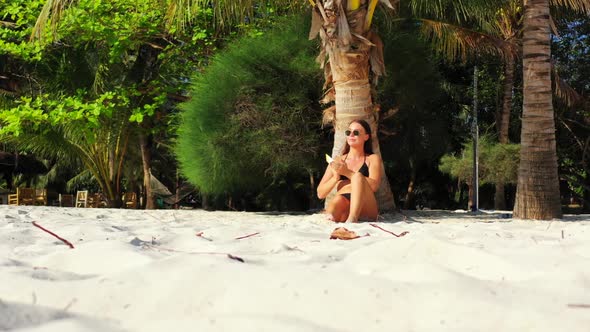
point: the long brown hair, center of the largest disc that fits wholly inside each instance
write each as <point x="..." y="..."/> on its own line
<point x="368" y="146"/>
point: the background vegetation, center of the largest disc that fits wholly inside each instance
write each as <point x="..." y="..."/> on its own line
<point x="114" y="91"/>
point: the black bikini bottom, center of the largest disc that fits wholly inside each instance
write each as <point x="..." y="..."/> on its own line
<point x="347" y="196"/>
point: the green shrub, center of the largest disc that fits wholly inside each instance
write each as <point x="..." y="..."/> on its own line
<point x="254" y="114"/>
<point x="497" y="162"/>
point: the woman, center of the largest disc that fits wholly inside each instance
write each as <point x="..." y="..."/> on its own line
<point x="356" y="175"/>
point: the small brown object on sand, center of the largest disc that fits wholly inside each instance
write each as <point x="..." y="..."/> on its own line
<point x="342" y="233"/>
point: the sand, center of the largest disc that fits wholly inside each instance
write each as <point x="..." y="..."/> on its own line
<point x="169" y="270"/>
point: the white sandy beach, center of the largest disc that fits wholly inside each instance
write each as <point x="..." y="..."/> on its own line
<point x="149" y="271"/>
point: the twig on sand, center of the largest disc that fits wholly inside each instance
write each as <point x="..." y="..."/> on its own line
<point x="245" y="236"/>
<point x="562" y="233"/>
<point x="578" y="305"/>
<point x="392" y="233"/>
<point x="234" y="257"/>
<point x="57" y="236"/>
<point x="200" y="234"/>
<point x="551" y="222"/>
<point x="74" y="300"/>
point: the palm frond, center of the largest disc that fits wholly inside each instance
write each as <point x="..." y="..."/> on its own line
<point x="581" y="6"/>
<point x="563" y="90"/>
<point x="508" y="20"/>
<point x="459" y="11"/>
<point x="79" y="180"/>
<point x="51" y="12"/>
<point x="181" y="12"/>
<point x="50" y="144"/>
<point x="228" y="13"/>
<point x="457" y="43"/>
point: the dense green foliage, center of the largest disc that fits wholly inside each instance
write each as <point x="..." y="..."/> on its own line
<point x="108" y="73"/>
<point x="571" y="52"/>
<point x="254" y="114"/>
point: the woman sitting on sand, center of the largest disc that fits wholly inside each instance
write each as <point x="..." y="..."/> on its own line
<point x="355" y="189"/>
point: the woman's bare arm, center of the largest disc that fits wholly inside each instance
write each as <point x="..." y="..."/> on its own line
<point x="375" y="171"/>
<point x="328" y="182"/>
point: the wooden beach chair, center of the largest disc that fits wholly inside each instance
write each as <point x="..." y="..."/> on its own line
<point x="96" y="200"/>
<point x="81" y="198"/>
<point x="66" y="200"/>
<point x="130" y="200"/>
<point x="23" y="196"/>
<point x="41" y="197"/>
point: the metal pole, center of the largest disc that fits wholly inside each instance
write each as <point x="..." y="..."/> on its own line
<point x="475" y="198"/>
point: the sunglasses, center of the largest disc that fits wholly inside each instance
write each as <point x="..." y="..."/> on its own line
<point x="354" y="132"/>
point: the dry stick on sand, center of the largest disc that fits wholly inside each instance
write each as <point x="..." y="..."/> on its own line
<point x="392" y="233"/>
<point x="576" y="305"/>
<point x="57" y="236"/>
<point x="239" y="259"/>
<point x="200" y="234"/>
<point x="245" y="236"/>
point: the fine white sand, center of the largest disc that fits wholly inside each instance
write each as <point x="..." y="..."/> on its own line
<point x="149" y="271"/>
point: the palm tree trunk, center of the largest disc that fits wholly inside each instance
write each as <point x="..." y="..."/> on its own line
<point x="350" y="72"/>
<point x="508" y="84"/>
<point x="503" y="125"/>
<point x="150" y="201"/>
<point x="537" y="194"/>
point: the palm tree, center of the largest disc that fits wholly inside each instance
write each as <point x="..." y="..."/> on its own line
<point x="351" y="55"/>
<point x="509" y="24"/>
<point x="537" y="193"/>
<point x="101" y="151"/>
<point x="538" y="186"/>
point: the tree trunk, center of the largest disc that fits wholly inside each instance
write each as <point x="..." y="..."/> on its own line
<point x="537" y="194"/>
<point x="146" y="158"/>
<point x="500" y="197"/>
<point x="470" y="202"/>
<point x="350" y="72"/>
<point x="410" y="196"/>
<point x="503" y="125"/>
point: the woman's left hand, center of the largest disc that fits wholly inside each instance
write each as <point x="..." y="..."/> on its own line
<point x="340" y="167"/>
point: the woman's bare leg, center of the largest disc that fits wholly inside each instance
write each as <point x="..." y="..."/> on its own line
<point x="362" y="199"/>
<point x="338" y="208"/>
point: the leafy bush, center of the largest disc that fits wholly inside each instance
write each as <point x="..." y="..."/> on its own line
<point x="497" y="162"/>
<point x="254" y="114"/>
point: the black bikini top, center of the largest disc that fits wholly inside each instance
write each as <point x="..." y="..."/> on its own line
<point x="364" y="170"/>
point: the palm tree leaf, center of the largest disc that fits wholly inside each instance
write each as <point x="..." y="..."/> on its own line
<point x="388" y="4"/>
<point x="316" y="25"/>
<point x="455" y="42"/>
<point x="52" y="11"/>
<point x="344" y="36"/>
<point x="459" y="11"/>
<point x="563" y="90"/>
<point x="582" y="6"/>
<point x="82" y="178"/>
<point x="376" y="57"/>
<point x="228" y="13"/>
